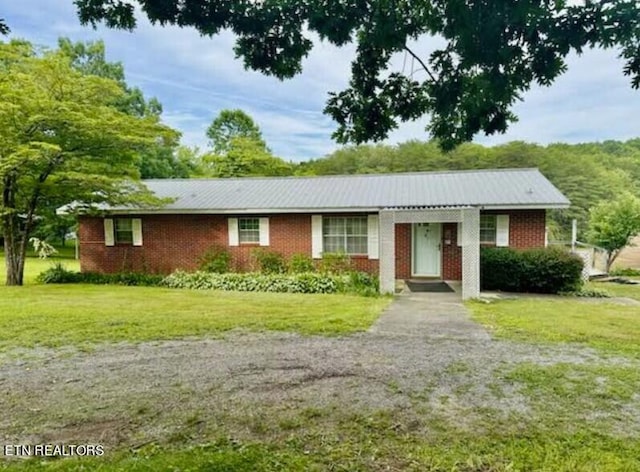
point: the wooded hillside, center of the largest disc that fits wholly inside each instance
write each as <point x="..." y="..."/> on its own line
<point x="585" y="173"/>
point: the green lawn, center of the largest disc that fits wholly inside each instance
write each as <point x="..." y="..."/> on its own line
<point x="575" y="419"/>
<point x="33" y="265"/>
<point x="57" y="315"/>
<point x="597" y="323"/>
<point x="618" y="290"/>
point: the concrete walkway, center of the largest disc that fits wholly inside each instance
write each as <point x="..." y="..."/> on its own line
<point x="431" y="315"/>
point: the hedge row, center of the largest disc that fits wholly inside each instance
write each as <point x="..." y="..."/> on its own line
<point x="57" y="274"/>
<point x="354" y="282"/>
<point x="534" y="270"/>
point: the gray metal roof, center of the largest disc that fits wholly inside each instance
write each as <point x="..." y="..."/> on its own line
<point x="522" y="188"/>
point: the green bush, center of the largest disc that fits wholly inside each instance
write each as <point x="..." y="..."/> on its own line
<point x="59" y="275"/>
<point x="301" y="263"/>
<point x="310" y="282"/>
<point x="542" y="270"/>
<point x="363" y="284"/>
<point x="269" y="262"/>
<point x="216" y="259"/>
<point x="335" y="263"/>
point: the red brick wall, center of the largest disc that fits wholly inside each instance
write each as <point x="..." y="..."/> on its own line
<point x="177" y="242"/>
<point x="451" y="253"/>
<point x="403" y="251"/>
<point x="526" y="230"/>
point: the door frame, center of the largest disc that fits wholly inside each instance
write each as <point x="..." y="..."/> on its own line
<point x="413" y="252"/>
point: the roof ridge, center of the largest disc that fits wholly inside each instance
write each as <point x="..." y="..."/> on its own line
<point x="368" y="175"/>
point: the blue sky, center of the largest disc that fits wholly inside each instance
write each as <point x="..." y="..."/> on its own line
<point x="195" y="78"/>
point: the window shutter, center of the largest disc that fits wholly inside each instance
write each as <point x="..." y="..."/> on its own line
<point x="232" y="223"/>
<point x="459" y="234"/>
<point x="372" y="237"/>
<point x="136" y="227"/>
<point x="109" y="237"/>
<point x="264" y="231"/>
<point x="502" y="231"/>
<point x="316" y="236"/>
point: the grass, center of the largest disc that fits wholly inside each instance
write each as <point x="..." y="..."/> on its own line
<point x="81" y="315"/>
<point x="602" y="325"/>
<point x="59" y="315"/>
<point x="33" y="265"/>
<point x="378" y="441"/>
<point x="618" y="290"/>
<point x="576" y="417"/>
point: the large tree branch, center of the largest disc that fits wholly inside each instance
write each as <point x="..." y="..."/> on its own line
<point x="421" y="62"/>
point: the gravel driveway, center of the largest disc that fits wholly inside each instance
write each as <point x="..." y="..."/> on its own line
<point x="127" y="394"/>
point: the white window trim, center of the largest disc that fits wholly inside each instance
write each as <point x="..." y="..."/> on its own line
<point x="110" y="232"/>
<point x="234" y="231"/>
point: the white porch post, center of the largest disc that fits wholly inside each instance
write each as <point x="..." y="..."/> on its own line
<point x="387" y="234"/>
<point x="470" y="253"/>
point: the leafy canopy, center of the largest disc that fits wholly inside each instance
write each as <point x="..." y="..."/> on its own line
<point x="62" y="136"/>
<point x="492" y="51"/>
<point x="231" y="124"/>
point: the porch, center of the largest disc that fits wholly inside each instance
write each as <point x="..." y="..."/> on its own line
<point x="426" y="244"/>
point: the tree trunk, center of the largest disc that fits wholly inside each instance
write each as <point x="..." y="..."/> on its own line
<point x="15" y="246"/>
<point x="14" y="254"/>
<point x="611" y="257"/>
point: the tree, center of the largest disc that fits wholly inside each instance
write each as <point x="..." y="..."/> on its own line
<point x="230" y="124"/>
<point x="245" y="157"/>
<point x="61" y="134"/>
<point x="613" y="223"/>
<point x="158" y="159"/>
<point x="493" y="51"/>
<point x="89" y="58"/>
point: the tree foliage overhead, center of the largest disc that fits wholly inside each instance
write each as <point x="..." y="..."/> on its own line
<point x="62" y="136"/>
<point x="493" y="51"/>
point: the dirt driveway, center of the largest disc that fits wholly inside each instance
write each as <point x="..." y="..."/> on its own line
<point x="127" y="395"/>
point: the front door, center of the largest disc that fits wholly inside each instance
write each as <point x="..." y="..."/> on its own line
<point x="426" y="249"/>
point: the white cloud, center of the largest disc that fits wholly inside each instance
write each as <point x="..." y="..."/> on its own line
<point x="195" y="78"/>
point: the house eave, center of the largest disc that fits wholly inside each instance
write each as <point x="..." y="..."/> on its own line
<point x="271" y="211"/>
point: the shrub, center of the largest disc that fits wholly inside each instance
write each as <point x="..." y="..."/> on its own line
<point x="363" y="284"/>
<point x="335" y="263"/>
<point x="500" y="269"/>
<point x="309" y="282"/>
<point x="301" y="263"/>
<point x="216" y="260"/>
<point x="59" y="275"/>
<point x="533" y="270"/>
<point x="269" y="262"/>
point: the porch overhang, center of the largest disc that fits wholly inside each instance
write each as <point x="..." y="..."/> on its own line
<point x="468" y="216"/>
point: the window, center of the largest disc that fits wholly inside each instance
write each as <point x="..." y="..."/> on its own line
<point x="488" y="229"/>
<point x="345" y="234"/>
<point x="249" y="230"/>
<point x="124" y="231"/>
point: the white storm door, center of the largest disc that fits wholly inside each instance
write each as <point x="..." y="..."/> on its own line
<point x="426" y="246"/>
